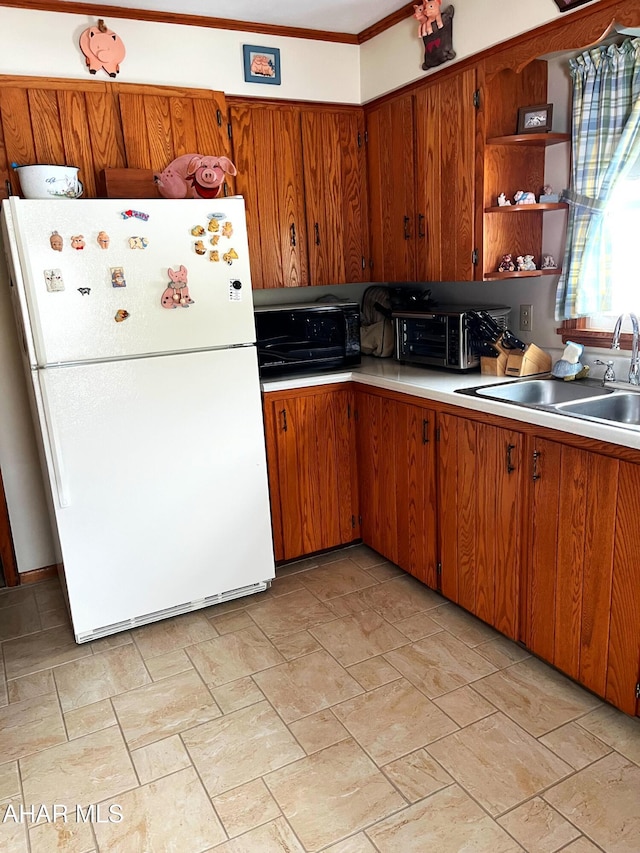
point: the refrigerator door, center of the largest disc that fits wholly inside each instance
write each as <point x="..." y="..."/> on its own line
<point x="122" y="260"/>
<point x="158" y="474"/>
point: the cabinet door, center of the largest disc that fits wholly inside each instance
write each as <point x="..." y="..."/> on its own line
<point x="445" y="118"/>
<point x="480" y="493"/>
<point x="310" y="452"/>
<point x="390" y="164"/>
<point x="334" y="195"/>
<point x="397" y="482"/>
<point x="267" y="147"/>
<point x="573" y="544"/>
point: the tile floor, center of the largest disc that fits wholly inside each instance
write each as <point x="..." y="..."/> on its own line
<point x="348" y="709"/>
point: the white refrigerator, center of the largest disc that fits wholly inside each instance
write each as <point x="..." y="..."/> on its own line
<point x="136" y="319"/>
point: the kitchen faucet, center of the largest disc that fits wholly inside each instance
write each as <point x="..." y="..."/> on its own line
<point x="634" y="367"/>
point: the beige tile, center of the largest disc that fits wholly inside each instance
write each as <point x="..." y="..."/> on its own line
<point x="160" y="814"/>
<point x="356" y="844"/>
<point x="227" y="623"/>
<point x="84" y="682"/>
<point x="286" y="585"/>
<point x="385" y="571"/>
<point x="465" y="706"/>
<point x="400" y="598"/>
<point x="296" y="645"/>
<point x="365" y="557"/>
<point x="160" y="759"/>
<point x="537" y="697"/>
<point x="318" y="731"/>
<point x="582" y="845"/>
<point x="447" y="822"/>
<point x="418" y="626"/>
<point x="274" y="837"/>
<point x="4" y="694"/>
<point x="164" y="708"/>
<point x="237" y="694"/>
<point x="54" y="619"/>
<point x="575" y="745"/>
<point x="62" y="836"/>
<point x="290" y="614"/>
<point x="340" y="554"/>
<point x="502" y="652"/>
<point x="336" y="579"/>
<point x="86" y="770"/>
<point x="417" y="775"/>
<point x="439" y="664"/>
<point x="373" y="673"/>
<point x="10" y="597"/>
<point x="234" y="656"/>
<point x="111" y="642"/>
<point x="90" y="718"/>
<point x="48" y="595"/>
<point x="171" y="634"/>
<point x="499" y="764"/>
<point x="30" y="686"/>
<point x="246" y="807"/>
<point x="345" y="605"/>
<point x="13" y="833"/>
<point x="9" y="781"/>
<point x="602" y="801"/>
<point x="616" y="729"/>
<point x="538" y="827"/>
<point x="297" y="566"/>
<point x="358" y="637"/>
<point x="30" y="726"/>
<point x="239" y="747"/>
<point x="42" y="651"/>
<point x="164" y="666"/>
<point x="306" y="685"/>
<point x="393" y="720"/>
<point x="349" y="793"/>
<point x="20" y="619"/>
<point x="467" y="628"/>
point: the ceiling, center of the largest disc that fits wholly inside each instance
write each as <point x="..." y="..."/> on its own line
<point x="341" y="16"/>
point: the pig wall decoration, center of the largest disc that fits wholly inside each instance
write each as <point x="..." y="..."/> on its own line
<point x="194" y="176"/>
<point x="102" y="48"/>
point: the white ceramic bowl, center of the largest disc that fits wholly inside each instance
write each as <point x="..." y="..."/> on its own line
<point x="46" y="181"/>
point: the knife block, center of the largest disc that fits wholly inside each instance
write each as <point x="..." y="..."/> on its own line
<point x="495" y="366"/>
<point x="515" y="363"/>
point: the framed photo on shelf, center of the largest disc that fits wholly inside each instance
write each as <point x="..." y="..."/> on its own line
<point x="535" y="119"/>
<point x="261" y="64"/>
<point x="565" y="5"/>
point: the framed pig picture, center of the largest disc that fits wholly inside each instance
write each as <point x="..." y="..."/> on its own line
<point x="566" y="5"/>
<point x="261" y="64"/>
<point x="535" y="119"/>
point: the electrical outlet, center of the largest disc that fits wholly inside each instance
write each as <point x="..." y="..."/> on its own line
<point x="526" y="318"/>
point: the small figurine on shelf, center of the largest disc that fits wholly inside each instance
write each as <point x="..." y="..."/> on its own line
<point x="522" y="197"/>
<point x="507" y="264"/>
<point x="548" y="196"/>
<point x="548" y="263"/>
<point x="525" y="263"/>
<point x="503" y="201"/>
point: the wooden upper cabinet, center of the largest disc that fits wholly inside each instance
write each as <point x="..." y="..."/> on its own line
<point x="333" y="157"/>
<point x="267" y="145"/>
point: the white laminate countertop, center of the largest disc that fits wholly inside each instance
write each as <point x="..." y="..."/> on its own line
<point x="441" y="386"/>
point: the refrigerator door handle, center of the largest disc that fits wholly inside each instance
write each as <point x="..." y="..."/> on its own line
<point x="49" y="436"/>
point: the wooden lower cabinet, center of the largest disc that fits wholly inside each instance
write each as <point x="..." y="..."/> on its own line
<point x="480" y="501"/>
<point x="310" y="451"/>
<point x="397" y="482"/>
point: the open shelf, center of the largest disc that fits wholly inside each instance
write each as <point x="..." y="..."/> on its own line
<point x="498" y="276"/>
<point x="520" y="208"/>
<point x="542" y="139"/>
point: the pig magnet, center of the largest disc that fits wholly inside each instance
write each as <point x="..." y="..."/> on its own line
<point x="176" y="295"/>
<point x="194" y="176"/>
<point x="103" y="240"/>
<point x="77" y="242"/>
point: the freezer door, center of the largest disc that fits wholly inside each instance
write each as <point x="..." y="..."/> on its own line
<point x="121" y="264"/>
<point x="158" y="475"/>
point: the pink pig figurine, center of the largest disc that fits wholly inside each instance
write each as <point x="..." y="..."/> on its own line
<point x="177" y="293"/>
<point x="102" y="48"/>
<point x="194" y="176"/>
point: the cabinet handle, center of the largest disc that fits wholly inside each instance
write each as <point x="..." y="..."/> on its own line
<point x="317" y="230"/>
<point x="425" y="431"/>
<point x="510" y="466"/>
<point x="536" y="454"/>
<point x="292" y="230"/>
<point x="421" y="229"/>
<point x="284" y="420"/>
<point x="407" y="235"/>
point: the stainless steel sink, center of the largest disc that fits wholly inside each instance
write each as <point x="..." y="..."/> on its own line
<point x="542" y="392"/>
<point x="622" y="408"/>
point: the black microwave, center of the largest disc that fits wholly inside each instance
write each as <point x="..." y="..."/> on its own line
<point x="302" y="337"/>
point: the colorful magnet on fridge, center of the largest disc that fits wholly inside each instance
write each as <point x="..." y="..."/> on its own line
<point x="137" y="214"/>
<point x="230" y="256"/>
<point x="199" y="247"/>
<point x="235" y="290"/>
<point x="176" y="294"/>
<point x="117" y="277"/>
<point x="53" y="279"/>
<point x="121" y="315"/>
<point x="56" y="241"/>
<point x="138" y="242"/>
<point x="77" y="242"/>
<point x="227" y="229"/>
<point x="103" y="240"/>
<point x="215" y="240"/>
<point x="214" y="256"/>
<point x="84" y="291"/>
<point x="214" y="225"/>
<point x="197" y="231"/>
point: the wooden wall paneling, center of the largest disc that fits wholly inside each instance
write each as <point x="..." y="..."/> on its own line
<point x="184" y="126"/>
<point x="245" y="157"/>
<point x="162" y="148"/>
<point x="74" y="126"/>
<point x="46" y="125"/>
<point x="516" y="233"/>
<point x="211" y="125"/>
<point x="18" y="135"/>
<point x="623" y="670"/>
<point x="134" y="131"/>
<point x="105" y="131"/>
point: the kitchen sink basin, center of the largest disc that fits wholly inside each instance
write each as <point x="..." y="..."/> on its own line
<point x="542" y="392"/>
<point x="622" y="408"/>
